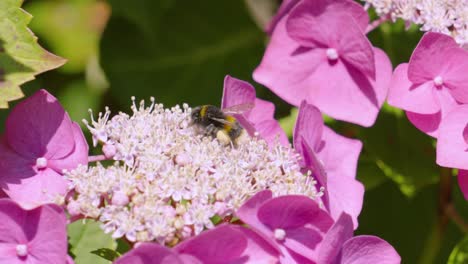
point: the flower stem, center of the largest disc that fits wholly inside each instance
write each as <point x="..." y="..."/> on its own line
<point x="374" y="24"/>
<point x="434" y="241"/>
<point x="96" y="158"/>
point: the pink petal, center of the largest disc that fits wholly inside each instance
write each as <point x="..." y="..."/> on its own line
<point x="430" y="123"/>
<point x="333" y="6"/>
<point x="271" y="132"/>
<point x="312" y="26"/>
<point x="427" y="123"/>
<point x="463" y="182"/>
<point x="285" y="65"/>
<point x="149" y="253"/>
<point x="330" y="247"/>
<point x="345" y="195"/>
<point x="79" y="154"/>
<point x="455" y="73"/>
<point x="415" y="98"/>
<point x="452" y="149"/>
<point x="293" y="211"/>
<point x="309" y="126"/>
<point x="340" y="157"/>
<point x="33" y="191"/>
<point x="43" y="230"/>
<point x="39" y="126"/>
<point x="303" y="241"/>
<point x="13" y="219"/>
<point x="286" y="6"/>
<point x="313" y="163"/>
<point x="257" y="248"/>
<point x="237" y="92"/>
<point x="263" y="110"/>
<point x="8" y="254"/>
<point x="49" y="237"/>
<point x="368" y="250"/>
<point x="223" y="244"/>
<point x="429" y="56"/>
<point x="339" y="154"/>
<point x="249" y="210"/>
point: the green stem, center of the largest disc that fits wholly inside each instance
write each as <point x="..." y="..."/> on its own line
<point x="434" y="241"/>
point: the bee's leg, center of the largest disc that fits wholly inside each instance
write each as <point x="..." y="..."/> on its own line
<point x="211" y="130"/>
<point x="223" y="137"/>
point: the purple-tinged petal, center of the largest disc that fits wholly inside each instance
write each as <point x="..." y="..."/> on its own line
<point x="339" y="154"/>
<point x="263" y="110"/>
<point x="237" y="92"/>
<point x="452" y="149"/>
<point x="286" y="65"/>
<point x="303" y="241"/>
<point x="293" y="211"/>
<point x="42" y="231"/>
<point x="249" y="210"/>
<point x="8" y="254"/>
<point x="333" y="6"/>
<point x="40" y="127"/>
<point x="463" y="182"/>
<point x="258" y="249"/>
<point x="150" y="253"/>
<point x="31" y="192"/>
<point x="455" y="75"/>
<point x="271" y="132"/>
<point x="346" y="195"/>
<point x="410" y="97"/>
<point x="428" y="58"/>
<point x="309" y="126"/>
<point x="313" y="163"/>
<point x="429" y="123"/>
<point x="79" y="155"/>
<point x="368" y="250"/>
<point x="49" y="237"/>
<point x="283" y="10"/>
<point x="222" y="244"/>
<point x="312" y="26"/>
<point x="330" y="247"/>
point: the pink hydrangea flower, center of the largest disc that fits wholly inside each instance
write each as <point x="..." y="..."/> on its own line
<point x="433" y="82"/>
<point x="452" y="144"/>
<point x="40" y="141"/>
<point x="35" y="236"/>
<point x="223" y="244"/>
<point x="319" y="52"/>
<point x="339" y="246"/>
<point x="293" y="224"/>
<point x="260" y="119"/>
<point x="332" y="159"/>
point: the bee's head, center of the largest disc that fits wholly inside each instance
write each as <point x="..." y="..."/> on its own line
<point x="196" y="116"/>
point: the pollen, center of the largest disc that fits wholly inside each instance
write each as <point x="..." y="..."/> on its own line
<point x="168" y="180"/>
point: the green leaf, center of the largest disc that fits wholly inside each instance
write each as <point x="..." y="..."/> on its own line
<point x="287" y="123"/>
<point x="178" y="51"/>
<point x="85" y="238"/>
<point x="71" y="28"/>
<point x="400" y="151"/>
<point x="106" y="253"/>
<point x="459" y="254"/>
<point x="21" y="58"/>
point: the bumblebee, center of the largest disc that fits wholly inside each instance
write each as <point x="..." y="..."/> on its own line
<point x="220" y="123"/>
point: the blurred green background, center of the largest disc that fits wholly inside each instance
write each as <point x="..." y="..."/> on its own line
<point x="179" y="51"/>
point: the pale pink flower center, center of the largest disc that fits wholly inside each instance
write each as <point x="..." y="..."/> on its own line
<point x="22" y="250"/>
<point x="332" y="54"/>
<point x="41" y="163"/>
<point x="279" y="234"/>
<point x="438" y="81"/>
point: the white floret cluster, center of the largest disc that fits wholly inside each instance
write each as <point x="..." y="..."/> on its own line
<point x="445" y="16"/>
<point x="168" y="181"/>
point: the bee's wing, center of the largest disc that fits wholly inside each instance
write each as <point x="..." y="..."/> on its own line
<point x="238" y="109"/>
<point x="222" y="121"/>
